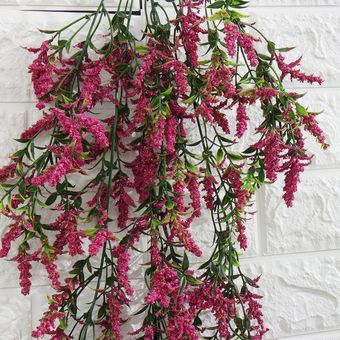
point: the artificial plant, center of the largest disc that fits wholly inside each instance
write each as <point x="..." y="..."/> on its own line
<point x="136" y="138"/>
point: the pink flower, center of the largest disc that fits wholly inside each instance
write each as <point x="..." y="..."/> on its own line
<point x="171" y="134"/>
<point x="192" y="185"/>
<point x="155" y="137"/>
<point x="97" y="243"/>
<point x="7" y="171"/>
<point x="231" y="36"/>
<point x="93" y="126"/>
<point x="42" y="124"/>
<point x="242" y="119"/>
<point x="247" y="43"/>
<point x="180" y="229"/>
<point x="52" y="271"/>
<point x="289" y="69"/>
<point x="120" y="252"/>
<point x="179" y="190"/>
<point x="271" y="146"/>
<point x="178" y="69"/>
<point x="209" y="197"/>
<point x="164" y="287"/>
<point x="115" y="299"/>
<point x="11" y="235"/>
<point x="294" y="166"/>
<point x="67" y="164"/>
<point x="242" y="238"/>
<point x="144" y="169"/>
<point x="265" y="93"/>
<point x="191" y="29"/>
<point x="47" y="324"/>
<point x="91" y="84"/>
<point x="42" y="70"/>
<point x="234" y="178"/>
<point x="312" y="126"/>
<point x="148" y="333"/>
<point x="24" y="267"/>
<point x="156" y="258"/>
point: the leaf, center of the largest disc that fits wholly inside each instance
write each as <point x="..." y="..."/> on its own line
<point x="190" y="167"/>
<point x="264" y="56"/>
<point x="219" y="156"/>
<point x="235" y="157"/>
<point x="142" y="310"/>
<point x="239" y="323"/>
<point x="271" y="47"/>
<point x="78" y="202"/>
<point x="48" y="31"/>
<point x="63" y="323"/>
<point x="185" y="263"/>
<point x="301" y="110"/>
<point x="91" y="231"/>
<point x="197" y="321"/>
<point x="285" y="49"/>
<point x="142" y="49"/>
<point x="51" y="199"/>
<point x="190" y="100"/>
<point x="193" y="280"/>
<point x="22" y="188"/>
<point x="182" y="283"/>
<point x="246" y="324"/>
<point x="167" y="92"/>
<point x="261" y="175"/>
<point x="170" y="205"/>
<point x="217" y="4"/>
<point x="220" y="15"/>
<point x="237" y="15"/>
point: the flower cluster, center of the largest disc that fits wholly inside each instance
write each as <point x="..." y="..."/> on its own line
<point x="133" y="144"/>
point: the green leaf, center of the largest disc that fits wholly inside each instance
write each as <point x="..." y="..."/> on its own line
<point x="285" y="49"/>
<point x="167" y="92"/>
<point x="235" y="157"/>
<point x="219" y="156"/>
<point x="193" y="280"/>
<point x="182" y="283"/>
<point x="238" y="15"/>
<point x="239" y="323"/>
<point x="271" y="47"/>
<point x="185" y="263"/>
<point x="22" y="188"/>
<point x="220" y="15"/>
<point x="142" y="310"/>
<point x="48" y="31"/>
<point x="91" y="231"/>
<point x="63" y="323"/>
<point x="197" y="321"/>
<point x="142" y="49"/>
<point x="261" y="175"/>
<point x="263" y="57"/>
<point x="190" y="100"/>
<point x="301" y="110"/>
<point x="170" y="205"/>
<point x="217" y="4"/>
<point x="247" y="324"/>
<point x="190" y="167"/>
<point x="78" y="202"/>
<point x="51" y="199"/>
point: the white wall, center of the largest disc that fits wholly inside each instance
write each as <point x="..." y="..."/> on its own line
<point x="297" y="250"/>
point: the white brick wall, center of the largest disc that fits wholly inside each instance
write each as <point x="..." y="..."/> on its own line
<point x="297" y="250"/>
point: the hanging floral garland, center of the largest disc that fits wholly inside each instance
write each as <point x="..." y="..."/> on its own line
<point x="181" y="100"/>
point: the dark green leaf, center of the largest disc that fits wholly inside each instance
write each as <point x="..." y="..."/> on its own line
<point x="51" y="199"/>
<point x="217" y="4"/>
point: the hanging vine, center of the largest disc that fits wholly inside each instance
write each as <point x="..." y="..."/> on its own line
<point x="136" y="138"/>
